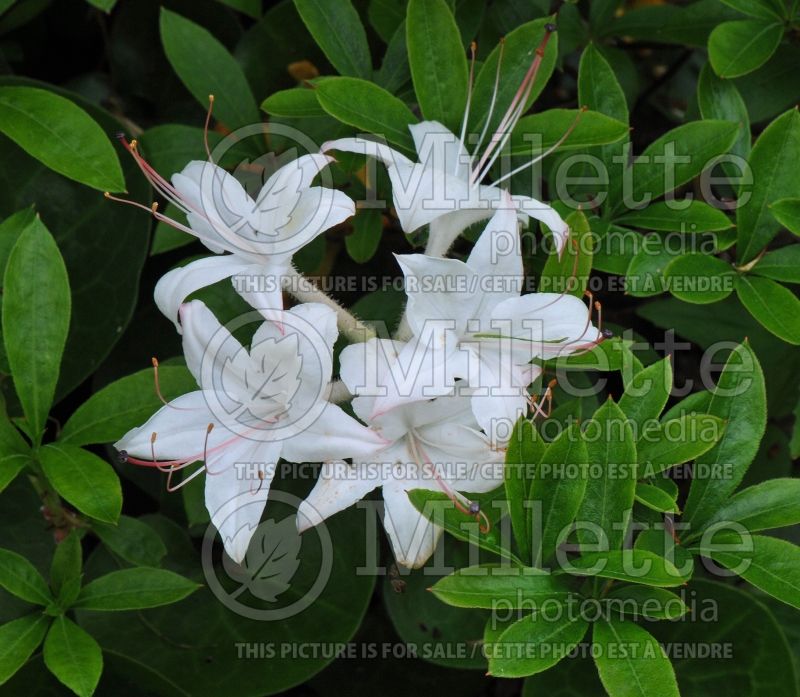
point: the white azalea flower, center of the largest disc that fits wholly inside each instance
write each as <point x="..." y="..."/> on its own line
<point x="252" y="408"/>
<point x="476" y="327"/>
<point x="435" y="445"/>
<point x="260" y="235"/>
<point x="445" y="185"/>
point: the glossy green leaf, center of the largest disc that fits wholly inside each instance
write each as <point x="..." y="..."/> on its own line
<point x="661" y="216"/>
<point x="699" y="278"/>
<point x="780" y="264"/>
<point x="438" y="62"/>
<point x="678" y="440"/>
<point x="488" y="586"/>
<point x="36" y="315"/>
<point x="555" y="640"/>
<point x="631" y="662"/>
<point x="539" y="132"/>
<point x="773" y="565"/>
<point x="773" y="305"/>
<point x="18" y="640"/>
<point x="60" y="134"/>
<point x="689" y="149"/>
<point x="84" y="480"/>
<point x="73" y="656"/>
<point x="135" y="589"/>
<point x="367" y="107"/>
<point x="518" y="54"/>
<point x="19" y="577"/>
<point x="737" y="48"/>
<point x="646" y="395"/>
<point x="630" y="565"/>
<point x="67" y="563"/>
<point x="296" y="102"/>
<point x="14" y="452"/>
<point x="787" y="213"/>
<point x="608" y="500"/>
<point x="557" y="492"/>
<point x="206" y="67"/>
<point x="395" y="72"/>
<point x="132" y="540"/>
<point x="366" y="236"/>
<point x="524" y="453"/>
<point x="337" y="28"/>
<point x="771" y="504"/>
<point x="598" y="87"/>
<point x="740" y="400"/>
<point x="773" y="162"/>
<point x="655" y="499"/>
<point x="765" y="9"/>
<point x="438" y="508"/>
<point x="124" y="404"/>
<point x="719" y="99"/>
<point x="651" y="603"/>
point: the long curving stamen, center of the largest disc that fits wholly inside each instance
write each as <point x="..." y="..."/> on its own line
<point x="206" y="125"/>
<point x="472" y="47"/>
<point x="542" y="155"/>
<point x="490" y="113"/>
<point x="515" y="109"/>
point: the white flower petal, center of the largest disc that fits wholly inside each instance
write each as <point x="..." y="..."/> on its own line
<point x="546" y="214"/>
<point x="439" y="148"/>
<point x="413" y="536"/>
<point x="177" y="285"/>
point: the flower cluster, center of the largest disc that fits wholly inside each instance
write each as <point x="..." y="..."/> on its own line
<point x="434" y="406"/>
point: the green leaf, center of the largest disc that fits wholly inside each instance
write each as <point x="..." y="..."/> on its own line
<point x="73" y="656"/>
<point x="297" y="102"/>
<point x="598" y="87"/>
<point x="765" y="9"/>
<point x="740" y="400"/>
<point x="737" y="48"/>
<point x="659" y="540"/>
<point x="646" y="395"/>
<point x="204" y="65"/>
<point x="368" y="107"/>
<point x="557" y="492"/>
<point x="773" y="162"/>
<point x="773" y="305"/>
<point x="773" y="565"/>
<point x="655" y="499"/>
<point x="18" y="640"/>
<point x="395" y="72"/>
<point x="719" y="99"/>
<point x="36" y="314"/>
<point x="104" y="5"/>
<point x="630" y="565"/>
<point x="678" y="440"/>
<point x="489" y="585"/>
<point x="19" y="577"/>
<point x="699" y="278"/>
<point x="61" y="135"/>
<point x="132" y="540"/>
<point x="14" y="452"/>
<point x="135" y="589"/>
<point x="665" y="217"/>
<point x="67" y="563"/>
<point x="84" y="480"/>
<point x="438" y="62"/>
<point x="771" y="504"/>
<point x="539" y="132"/>
<point x="438" y="508"/>
<point x="688" y="149"/>
<point x="787" y="213"/>
<point x="554" y="639"/>
<point x="608" y="500"/>
<point x="124" y="404"/>
<point x="570" y="272"/>
<point x="518" y="54"/>
<point x="337" y="29"/>
<point x="524" y="453"/>
<point x="652" y="603"/>
<point x="780" y="264"/>
<point x="631" y="662"/>
<point x="366" y="237"/>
